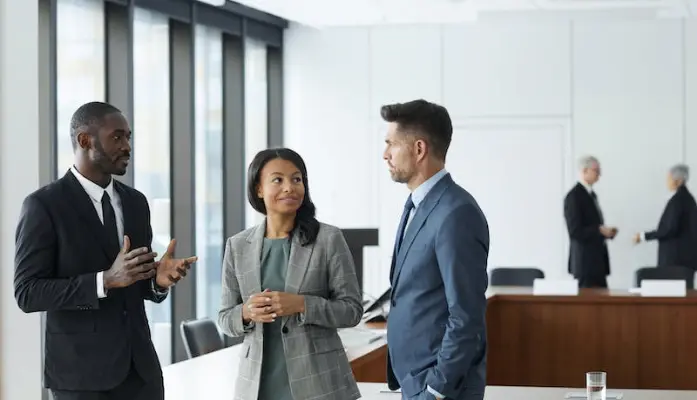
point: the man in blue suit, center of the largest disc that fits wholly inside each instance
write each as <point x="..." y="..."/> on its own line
<point x="436" y="330"/>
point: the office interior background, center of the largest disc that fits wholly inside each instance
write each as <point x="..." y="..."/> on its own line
<point x="530" y="86"/>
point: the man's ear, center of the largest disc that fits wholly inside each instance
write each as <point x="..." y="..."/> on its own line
<point x="420" y="147"/>
<point x="84" y="140"/>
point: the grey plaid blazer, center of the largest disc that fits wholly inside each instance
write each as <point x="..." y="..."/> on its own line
<point x="324" y="273"/>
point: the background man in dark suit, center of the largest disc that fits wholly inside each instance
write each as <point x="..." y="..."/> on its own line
<point x="83" y="255"/>
<point x="589" y="262"/>
<point x="436" y="326"/>
<point x="677" y="229"/>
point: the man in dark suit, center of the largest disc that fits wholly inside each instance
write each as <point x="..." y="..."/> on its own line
<point x="436" y="326"/>
<point x="677" y="229"/>
<point x="589" y="262"/>
<point x="83" y="255"/>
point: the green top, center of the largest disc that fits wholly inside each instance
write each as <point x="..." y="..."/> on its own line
<point x="274" y="383"/>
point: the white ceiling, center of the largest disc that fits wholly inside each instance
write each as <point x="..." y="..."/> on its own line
<point x="327" y="13"/>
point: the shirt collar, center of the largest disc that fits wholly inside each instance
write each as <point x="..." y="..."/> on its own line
<point x="419" y="194"/>
<point x="588" y="187"/>
<point x="93" y="190"/>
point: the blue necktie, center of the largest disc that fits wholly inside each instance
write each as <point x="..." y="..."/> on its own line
<point x="400" y="233"/>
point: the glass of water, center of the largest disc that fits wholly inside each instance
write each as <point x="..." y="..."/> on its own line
<point x="596" y="384"/>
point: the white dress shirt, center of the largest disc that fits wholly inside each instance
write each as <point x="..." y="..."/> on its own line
<point x="589" y="188"/>
<point x="419" y="194"/>
<point x="96" y="192"/>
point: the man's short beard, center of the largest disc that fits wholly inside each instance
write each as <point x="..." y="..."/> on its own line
<point x="400" y="177"/>
<point x="102" y="160"/>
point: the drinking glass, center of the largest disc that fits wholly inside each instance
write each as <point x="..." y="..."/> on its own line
<point x="596" y="384"/>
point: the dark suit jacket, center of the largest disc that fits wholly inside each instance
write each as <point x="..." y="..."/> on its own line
<point x="677" y="231"/>
<point x="437" y="322"/>
<point x="588" y="256"/>
<point x="61" y="244"/>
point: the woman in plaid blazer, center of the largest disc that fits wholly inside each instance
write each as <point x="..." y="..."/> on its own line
<point x="288" y="284"/>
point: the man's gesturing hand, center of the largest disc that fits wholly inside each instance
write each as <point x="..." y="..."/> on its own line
<point x="169" y="269"/>
<point x="130" y="266"/>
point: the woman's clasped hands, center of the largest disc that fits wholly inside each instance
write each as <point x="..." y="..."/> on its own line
<point x="266" y="306"/>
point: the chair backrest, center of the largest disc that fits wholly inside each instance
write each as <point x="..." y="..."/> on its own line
<point x="232" y="341"/>
<point x="677" y="273"/>
<point x="511" y="276"/>
<point x="200" y="337"/>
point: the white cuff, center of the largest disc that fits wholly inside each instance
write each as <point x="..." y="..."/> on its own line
<point x="101" y="292"/>
<point x="642" y="236"/>
<point x="433" y="392"/>
<point x="155" y="289"/>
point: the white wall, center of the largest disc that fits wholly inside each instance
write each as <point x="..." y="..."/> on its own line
<point x="527" y="98"/>
<point x="20" y="340"/>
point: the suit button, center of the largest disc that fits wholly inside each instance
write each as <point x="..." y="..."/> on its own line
<point x="285" y="329"/>
<point x="125" y="313"/>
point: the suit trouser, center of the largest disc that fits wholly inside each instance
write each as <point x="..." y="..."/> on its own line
<point x="132" y="388"/>
<point x="599" y="282"/>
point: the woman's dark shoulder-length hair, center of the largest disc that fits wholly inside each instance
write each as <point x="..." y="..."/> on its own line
<point x="306" y="225"/>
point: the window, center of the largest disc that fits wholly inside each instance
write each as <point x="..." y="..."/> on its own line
<point x="80" y="67"/>
<point x="151" y="149"/>
<point x="209" y="170"/>
<point x="256" y="131"/>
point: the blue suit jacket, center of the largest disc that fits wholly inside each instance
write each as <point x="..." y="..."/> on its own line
<point x="436" y="329"/>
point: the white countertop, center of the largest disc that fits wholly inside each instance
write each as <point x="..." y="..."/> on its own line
<point x="212" y="376"/>
<point x="377" y="391"/>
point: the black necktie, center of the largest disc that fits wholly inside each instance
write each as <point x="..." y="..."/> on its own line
<point x="597" y="206"/>
<point x="400" y="233"/>
<point x="110" y="228"/>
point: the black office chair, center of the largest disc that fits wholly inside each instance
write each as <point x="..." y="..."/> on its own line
<point x="506" y="276"/>
<point x="231" y="341"/>
<point x="676" y="273"/>
<point x="200" y="337"/>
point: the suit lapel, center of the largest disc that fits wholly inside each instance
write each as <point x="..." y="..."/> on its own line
<point x="128" y="207"/>
<point x="673" y="204"/>
<point x="595" y="204"/>
<point x="253" y="256"/>
<point x="298" y="263"/>
<point x="681" y="192"/>
<point x="82" y="203"/>
<point x="417" y="222"/>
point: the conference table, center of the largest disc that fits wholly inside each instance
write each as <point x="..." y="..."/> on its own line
<point x="212" y="377"/>
<point x="538" y="347"/>
<point x="552" y="340"/>
<point x="641" y="342"/>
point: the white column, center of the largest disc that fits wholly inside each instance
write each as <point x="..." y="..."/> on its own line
<point x="20" y="340"/>
<point x="256" y="136"/>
